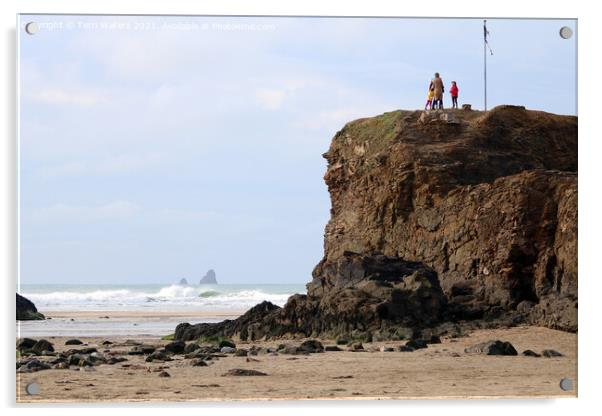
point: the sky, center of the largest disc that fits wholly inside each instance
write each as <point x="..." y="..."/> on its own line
<point x="155" y="148"/>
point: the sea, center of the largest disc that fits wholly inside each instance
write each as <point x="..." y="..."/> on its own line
<point x="187" y="302"/>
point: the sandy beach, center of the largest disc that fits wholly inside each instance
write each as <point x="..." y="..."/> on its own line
<point x="442" y="370"/>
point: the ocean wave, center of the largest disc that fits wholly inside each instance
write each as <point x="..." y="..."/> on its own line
<point x="176" y="291"/>
<point x="81" y="297"/>
<point x="209" y="293"/>
<point x="174" y="297"/>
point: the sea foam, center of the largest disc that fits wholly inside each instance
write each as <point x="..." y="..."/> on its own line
<point x="173" y="297"/>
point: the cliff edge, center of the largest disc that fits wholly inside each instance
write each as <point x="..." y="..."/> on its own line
<point x="440" y="218"/>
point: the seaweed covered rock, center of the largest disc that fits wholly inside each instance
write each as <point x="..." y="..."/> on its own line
<point x="248" y="325"/>
<point x="26" y="310"/>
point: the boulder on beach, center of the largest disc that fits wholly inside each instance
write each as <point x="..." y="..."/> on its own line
<point x="416" y="344"/>
<point x="356" y="346"/>
<point x="226" y="343"/>
<point x="243" y="372"/>
<point x="551" y="353"/>
<point x="85" y="350"/>
<point x="142" y="350"/>
<point x="24" y="344"/>
<point x="191" y="347"/>
<point x="33" y="365"/>
<point x="158" y="356"/>
<point x="492" y="348"/>
<point x="175" y="347"/>
<point x="311" y="346"/>
<point x="42" y="346"/>
<point x="26" y="310"/>
<point x="198" y="362"/>
<point x="116" y="360"/>
<point x="531" y="353"/>
<point x="209" y="278"/>
<point x="332" y="348"/>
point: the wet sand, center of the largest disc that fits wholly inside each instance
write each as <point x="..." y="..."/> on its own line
<point x="223" y="314"/>
<point x="439" y="371"/>
<point x="117" y="323"/>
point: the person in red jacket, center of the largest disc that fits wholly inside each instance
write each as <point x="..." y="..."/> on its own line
<point x="454" y="94"/>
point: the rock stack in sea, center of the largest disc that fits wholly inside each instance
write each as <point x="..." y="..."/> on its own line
<point x="209" y="278"/>
<point x="439" y="220"/>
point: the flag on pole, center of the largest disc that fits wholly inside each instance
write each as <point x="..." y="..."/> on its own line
<point x="485" y="47"/>
<point x="485" y="34"/>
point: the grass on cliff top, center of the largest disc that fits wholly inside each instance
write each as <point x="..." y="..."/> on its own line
<point x="378" y="132"/>
<point x="169" y="337"/>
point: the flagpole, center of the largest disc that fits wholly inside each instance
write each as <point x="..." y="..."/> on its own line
<point x="485" y="61"/>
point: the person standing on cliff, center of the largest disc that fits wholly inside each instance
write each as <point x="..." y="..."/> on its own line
<point x="437" y="84"/>
<point x="454" y="94"/>
<point x="429" y="99"/>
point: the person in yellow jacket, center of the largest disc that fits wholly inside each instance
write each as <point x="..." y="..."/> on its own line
<point x="429" y="99"/>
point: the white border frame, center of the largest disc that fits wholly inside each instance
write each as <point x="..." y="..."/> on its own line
<point x="588" y="66"/>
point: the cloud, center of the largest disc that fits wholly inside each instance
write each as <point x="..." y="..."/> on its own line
<point x="270" y="99"/>
<point x="116" y="210"/>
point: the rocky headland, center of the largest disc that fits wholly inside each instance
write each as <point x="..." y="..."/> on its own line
<point x="441" y="222"/>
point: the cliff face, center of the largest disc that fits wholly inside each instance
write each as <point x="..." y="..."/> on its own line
<point x="440" y="218"/>
<point x="489" y="201"/>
